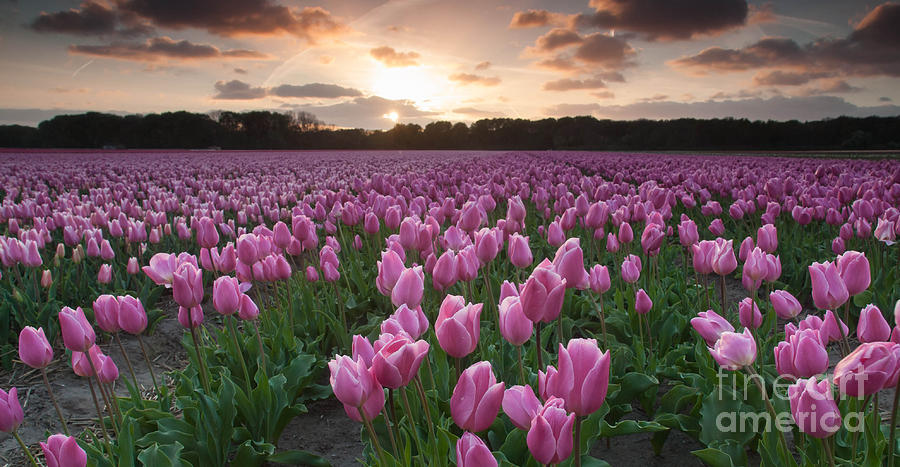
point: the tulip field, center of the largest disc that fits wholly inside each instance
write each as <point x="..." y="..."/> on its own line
<point x="464" y="308"/>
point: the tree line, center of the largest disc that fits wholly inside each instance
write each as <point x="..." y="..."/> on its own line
<point x="301" y="130"/>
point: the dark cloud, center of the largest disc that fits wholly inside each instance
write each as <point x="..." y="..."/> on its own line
<point x="240" y="71"/>
<point x="392" y="58"/>
<point x="574" y="84"/>
<point x="787" y="78"/>
<point x="556" y="38"/>
<point x="774" y="108"/>
<point x="885" y="99"/>
<point x="605" y="51"/>
<point x="872" y="49"/>
<point x="161" y="48"/>
<point x="535" y="19"/>
<point x="831" y="86"/>
<point x="667" y="19"/>
<point x="320" y="90"/>
<point x="559" y="63"/>
<point x="468" y="78"/>
<point x="238" y="90"/>
<point x="237" y="17"/>
<point x="483" y="66"/>
<point x="90" y="19"/>
<point x="759" y="14"/>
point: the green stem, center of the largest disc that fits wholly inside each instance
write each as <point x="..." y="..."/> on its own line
<point x="373" y="435"/>
<point x="147" y="360"/>
<point x="239" y="351"/>
<point x="828" y="450"/>
<point x="100" y="418"/>
<point x="127" y="360"/>
<point x="262" y="352"/>
<point x="15" y="433"/>
<point x="55" y="403"/>
<point x="577" y="441"/>
<point x="893" y="432"/>
<point x="200" y="363"/>
<point x="434" y="441"/>
<point x="412" y="424"/>
<point x="755" y="377"/>
<point x="521" y="366"/>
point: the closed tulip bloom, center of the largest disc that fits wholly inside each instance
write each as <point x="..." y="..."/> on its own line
<point x="756" y="266"/>
<point x="34" y="348"/>
<point x="106" y="313"/>
<point x="362" y="348"/>
<point x="809" y="355"/>
<point x="508" y="289"/>
<point x="651" y="239"/>
<point x="813" y="408"/>
<point x="133" y="267"/>
<point x="569" y="264"/>
<point x="78" y="335"/>
<point x="734" y="351"/>
<point x="626" y="234"/>
<point x="409" y="288"/>
<point x="187" y="285"/>
<point x="249" y="310"/>
<point x="746" y="247"/>
<point x="555" y="234"/>
<point x="107" y="371"/>
<point x="104" y="275"/>
<point x="207" y="235"/>
<point x="828" y="289"/>
<point x="443" y="276"/>
<point x="46" y="279"/>
<point x="281" y="235"/>
<point x="550" y="438"/>
<point x="631" y="272"/>
<point x="866" y="370"/>
<point x="247" y="248"/>
<point x="11" y="415"/>
<point x="486" y="245"/>
<point x="32" y="257"/>
<point x="885" y="231"/>
<point x="612" y="243"/>
<point x="582" y="379"/>
<point x="767" y="238"/>
<point x="785" y="305"/>
<point x="642" y="302"/>
<point x="472" y="452"/>
<point x="311" y="274"/>
<point x="723" y="261"/>
<point x="872" y="326"/>
<point x="703" y="254"/>
<point x="542" y="295"/>
<point x="411" y="320"/>
<point x="389" y="269"/>
<point x="837" y="246"/>
<point x="749" y="314"/>
<point x="710" y="326"/>
<point x="853" y="267"/>
<point x="398" y="361"/>
<point x="190" y="317"/>
<point x="687" y="233"/>
<point x="63" y="451"/>
<point x="132" y="317"/>
<point x="356" y="387"/>
<point x="371" y="225"/>
<point x="833" y="329"/>
<point x="773" y="265"/>
<point x="227" y="295"/>
<point x="515" y="327"/>
<point x="519" y="251"/>
<point x="476" y="398"/>
<point x="716" y="227"/>
<point x="521" y="405"/>
<point x="599" y="279"/>
<point x="458" y="326"/>
<point x="162" y="268"/>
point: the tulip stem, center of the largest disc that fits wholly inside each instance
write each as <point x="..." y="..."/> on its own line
<point x="262" y="352"/>
<point x="56" y="404"/>
<point x="602" y="321"/>
<point x="827" y="443"/>
<point x="434" y="442"/>
<point x="200" y="362"/>
<point x="540" y="358"/>
<point x="391" y="417"/>
<point x="577" y="441"/>
<point x="893" y="431"/>
<point x="758" y="381"/>
<point x="149" y="366"/>
<point x="238" y="350"/>
<point x="109" y="408"/>
<point x="372" y="434"/>
<point x="722" y="293"/>
<point x="340" y="304"/>
<point x="412" y="423"/>
<point x="846" y="349"/>
<point x="521" y="366"/>
<point x="127" y="360"/>
<point x="100" y="418"/>
<point x="15" y="434"/>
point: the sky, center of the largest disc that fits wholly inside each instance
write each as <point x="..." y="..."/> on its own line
<point x="372" y="63"/>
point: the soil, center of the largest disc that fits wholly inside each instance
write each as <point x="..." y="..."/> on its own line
<point x="325" y="430"/>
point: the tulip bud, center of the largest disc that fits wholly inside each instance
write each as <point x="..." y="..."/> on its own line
<point x="476" y="398"/>
<point x="853" y="267"/>
<point x="458" y="326"/>
<point x="472" y="452"/>
<point x="11" y="414"/>
<point x="549" y="438"/>
<point x="642" y="302"/>
<point x="34" y="348"/>
<point x="104" y="276"/>
<point x="785" y="305"/>
<point x="63" y="451"/>
<point x="710" y="326"/>
<point x="828" y="289"/>
<point x="398" y="361"/>
<point x="132" y="317"/>
<point x="190" y="318"/>
<point x="749" y="314"/>
<point x="78" y="335"/>
<point x="813" y="408"/>
<point x="248" y="310"/>
<point x="106" y="313"/>
<point x="227" y="295"/>
<point x="515" y="327"/>
<point x="46" y="279"/>
<point x="872" y="326"/>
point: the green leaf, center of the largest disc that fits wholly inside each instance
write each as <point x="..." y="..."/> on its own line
<point x="168" y="455"/>
<point x="714" y="457"/>
<point x="297" y="457"/>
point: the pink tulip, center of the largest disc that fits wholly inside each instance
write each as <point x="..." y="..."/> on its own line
<point x="773" y="268"/>
<point x="63" y="451"/>
<point x="312" y="275"/>
<point x="746" y="247"/>
<point x="162" y="268"/>
<point x="710" y="326"/>
<point x="651" y="239"/>
<point x="207" y="235"/>
<point x="515" y="327"/>
<point x="398" y="361"/>
<point x="362" y="348"/>
<point x="872" y="326"/>
<point x="837" y="246"/>
<point x="444" y="274"/>
<point x="555" y="234"/>
<point x="569" y="264"/>
<point x="813" y="408"/>
<point x="412" y="321"/>
<point x="11" y="415"/>
<point x="756" y="266"/>
<point x="281" y="235"/>
<point x="472" y="452"/>
<point x="355" y="385"/>
<point x="803" y="355"/>
<point x="389" y="269"/>
<point x="106" y="313"/>
<point x="550" y="438"/>
<point x="582" y="378"/>
<point x="104" y="275"/>
<point x="476" y="398"/>
<point x="716" y="227"/>
<point x="409" y="288"/>
<point x="723" y="261"/>
<point x="132" y="317"/>
<point x="519" y="251"/>
<point x="734" y="351"/>
<point x="886" y="231"/>
<point x="642" y="302"/>
<point x="631" y="272"/>
<point x="34" y="348"/>
<point x="785" y="305"/>
<point x="853" y="267"/>
<point x="749" y="314"/>
<point x="227" y="295"/>
<point x="626" y="234"/>
<point x="78" y="335"/>
<point x="687" y="233"/>
<point x="767" y="238"/>
<point x="508" y="289"/>
<point x="187" y="285"/>
<point x="521" y="405"/>
<point x="828" y="289"/>
<point x="542" y="295"/>
<point x="190" y="317"/>
<point x="46" y="279"/>
<point x="133" y="267"/>
<point x="833" y="329"/>
<point x="612" y="243"/>
<point x="486" y="245"/>
<point x="248" y="248"/>
<point x="866" y="370"/>
<point x="458" y="326"/>
<point x="703" y="255"/>
<point x="598" y="278"/>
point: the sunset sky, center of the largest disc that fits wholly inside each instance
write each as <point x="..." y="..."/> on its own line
<point x="369" y="63"/>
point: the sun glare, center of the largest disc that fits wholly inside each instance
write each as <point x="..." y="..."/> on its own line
<point x="414" y="84"/>
<point x="392" y="116"/>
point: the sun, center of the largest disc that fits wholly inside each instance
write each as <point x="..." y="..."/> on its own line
<point x="416" y="84"/>
<point x="392" y="116"/>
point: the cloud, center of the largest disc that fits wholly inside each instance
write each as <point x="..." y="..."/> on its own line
<point x="483" y="66"/>
<point x="236" y="18"/>
<point x="238" y="90"/>
<point x="871" y="49"/>
<point x="392" y="58"/>
<point x="473" y="112"/>
<point x="468" y="78"/>
<point x="320" y="90"/>
<point x="759" y="14"/>
<point x="573" y="84"/>
<point x="774" y="108"/>
<point x="605" y="51"/>
<point x="885" y="99"/>
<point x="326" y="59"/>
<point x="559" y="63"/>
<point x="162" y="47"/>
<point x="240" y="71"/>
<point x="535" y="19"/>
<point x="786" y="78"/>
<point x="831" y="86"/>
<point x="90" y="19"/>
<point x="667" y="20"/>
<point x="603" y="95"/>
<point x="556" y="38"/>
<point x="368" y="112"/>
